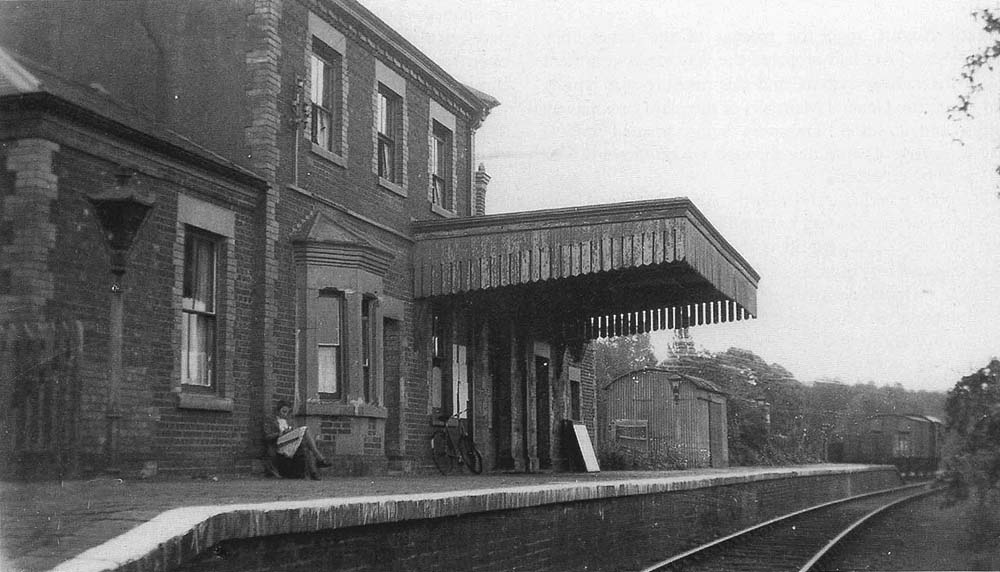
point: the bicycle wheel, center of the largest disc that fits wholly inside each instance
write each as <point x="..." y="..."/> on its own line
<point x="441" y="452"/>
<point x="471" y="455"/>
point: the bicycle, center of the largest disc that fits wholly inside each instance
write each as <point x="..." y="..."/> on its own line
<point x="446" y="450"/>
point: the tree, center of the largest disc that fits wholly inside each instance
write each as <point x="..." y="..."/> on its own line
<point x="972" y="455"/>
<point x="616" y="356"/>
<point x="977" y="62"/>
<point x="763" y="409"/>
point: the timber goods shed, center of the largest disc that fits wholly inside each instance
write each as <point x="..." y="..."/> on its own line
<point x="664" y="416"/>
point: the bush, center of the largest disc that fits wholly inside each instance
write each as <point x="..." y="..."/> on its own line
<point x="660" y="456"/>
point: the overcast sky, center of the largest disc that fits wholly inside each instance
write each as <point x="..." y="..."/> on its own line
<point x="813" y="135"/>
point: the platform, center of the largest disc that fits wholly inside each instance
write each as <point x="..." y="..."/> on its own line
<point x="107" y="524"/>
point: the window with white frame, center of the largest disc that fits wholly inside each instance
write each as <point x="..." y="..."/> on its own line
<point x="440" y="163"/>
<point x="325" y="96"/>
<point x="390" y="113"/>
<point x="327" y="81"/>
<point x="441" y="159"/>
<point x="329" y="353"/>
<point x="198" y="334"/>
<point x="389" y="129"/>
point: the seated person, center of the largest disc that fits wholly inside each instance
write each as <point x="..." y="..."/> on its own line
<point x="291" y="451"/>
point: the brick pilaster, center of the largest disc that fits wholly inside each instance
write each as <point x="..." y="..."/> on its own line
<point x="27" y="281"/>
<point x="263" y="90"/>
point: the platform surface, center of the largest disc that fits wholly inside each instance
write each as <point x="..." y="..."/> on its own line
<point x="103" y="523"/>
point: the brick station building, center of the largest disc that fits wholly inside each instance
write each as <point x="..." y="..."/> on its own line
<point x="317" y="233"/>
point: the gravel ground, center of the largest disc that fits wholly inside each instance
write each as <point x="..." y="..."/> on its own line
<point x="925" y="535"/>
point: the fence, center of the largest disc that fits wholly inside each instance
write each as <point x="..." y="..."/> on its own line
<point x="40" y="393"/>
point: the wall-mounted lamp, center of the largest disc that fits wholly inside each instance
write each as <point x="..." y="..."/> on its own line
<point x="120" y="208"/>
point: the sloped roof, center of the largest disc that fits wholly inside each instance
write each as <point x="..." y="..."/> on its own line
<point x="910" y="416"/>
<point x="327" y="242"/>
<point x="671" y="375"/>
<point x="483" y="102"/>
<point x="26" y="84"/>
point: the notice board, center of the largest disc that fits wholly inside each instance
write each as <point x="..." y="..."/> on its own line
<point x="585" y="447"/>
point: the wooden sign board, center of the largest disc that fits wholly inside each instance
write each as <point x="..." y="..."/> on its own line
<point x="586" y="448"/>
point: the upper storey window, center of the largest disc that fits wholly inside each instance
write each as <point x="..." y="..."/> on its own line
<point x="441" y="163"/>
<point x="390" y="129"/>
<point x="326" y="89"/>
<point x="441" y="166"/>
<point x="390" y="110"/>
<point x="325" y="119"/>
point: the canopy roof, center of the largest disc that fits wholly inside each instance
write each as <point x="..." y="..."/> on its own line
<point x="620" y="268"/>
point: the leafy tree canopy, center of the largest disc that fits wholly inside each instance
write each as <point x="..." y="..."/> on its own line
<point x="976" y="63"/>
<point x="617" y="356"/>
<point x="972" y="455"/>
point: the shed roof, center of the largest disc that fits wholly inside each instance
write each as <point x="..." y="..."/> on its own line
<point x="670" y="375"/>
<point x="910" y="416"/>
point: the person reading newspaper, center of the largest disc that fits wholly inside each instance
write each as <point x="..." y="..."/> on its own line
<point x="291" y="451"/>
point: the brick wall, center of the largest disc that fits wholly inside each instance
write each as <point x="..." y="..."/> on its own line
<point x="616" y="533"/>
<point x="74" y="258"/>
<point x="153" y="427"/>
<point x="348" y="191"/>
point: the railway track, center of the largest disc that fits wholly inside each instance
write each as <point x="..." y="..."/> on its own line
<point x="795" y="542"/>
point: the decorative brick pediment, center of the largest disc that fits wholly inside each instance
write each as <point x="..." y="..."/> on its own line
<point x="325" y="242"/>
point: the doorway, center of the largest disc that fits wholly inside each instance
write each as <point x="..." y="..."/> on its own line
<point x="543" y="411"/>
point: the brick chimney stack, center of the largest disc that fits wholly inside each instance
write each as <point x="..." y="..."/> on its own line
<point x="482" y="179"/>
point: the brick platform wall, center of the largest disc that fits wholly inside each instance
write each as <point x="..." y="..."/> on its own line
<point x="614" y="533"/>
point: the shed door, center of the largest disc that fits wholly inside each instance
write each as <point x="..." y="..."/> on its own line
<point x="717" y="442"/>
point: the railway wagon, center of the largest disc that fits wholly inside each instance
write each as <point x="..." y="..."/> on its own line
<point x="910" y="442"/>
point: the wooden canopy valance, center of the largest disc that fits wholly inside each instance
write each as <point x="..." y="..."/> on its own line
<point x="635" y="266"/>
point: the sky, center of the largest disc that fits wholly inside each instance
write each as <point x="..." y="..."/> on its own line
<point x="814" y="135"/>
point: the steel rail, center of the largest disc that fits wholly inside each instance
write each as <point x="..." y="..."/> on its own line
<point x="719" y="541"/>
<point x="830" y="545"/>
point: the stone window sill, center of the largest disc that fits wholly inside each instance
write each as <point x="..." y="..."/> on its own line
<point x="204" y="402"/>
<point x="438" y="209"/>
<point x="394" y="187"/>
<point x="330" y="156"/>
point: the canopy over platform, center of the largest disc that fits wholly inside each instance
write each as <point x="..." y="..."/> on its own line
<point x="609" y="270"/>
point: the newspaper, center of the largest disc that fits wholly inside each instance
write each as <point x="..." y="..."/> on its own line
<point x="289" y="441"/>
